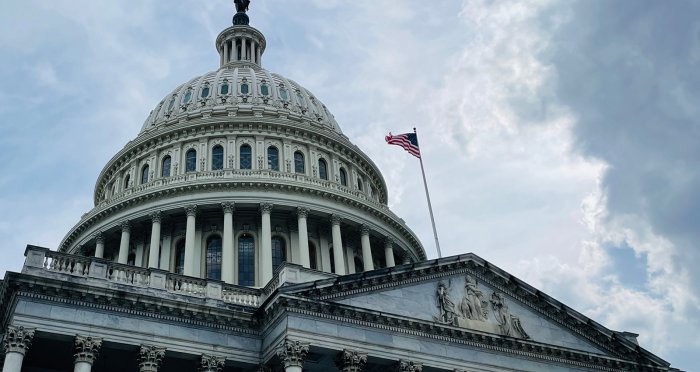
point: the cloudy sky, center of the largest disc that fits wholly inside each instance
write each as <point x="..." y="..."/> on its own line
<point x="561" y="139"/>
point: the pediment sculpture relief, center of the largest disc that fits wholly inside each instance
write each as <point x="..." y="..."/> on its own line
<point x="473" y="310"/>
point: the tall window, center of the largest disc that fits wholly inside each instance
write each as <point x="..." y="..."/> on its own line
<point x="180" y="257"/>
<point x="343" y="177"/>
<point x="273" y="158"/>
<point x="312" y="256"/>
<point x="299" y="162"/>
<point x="144" y="174"/>
<point x="127" y="178"/>
<point x="165" y="167"/>
<point x="224" y="89"/>
<point x="244" y="88"/>
<point x="205" y="91"/>
<point x="359" y="183"/>
<point x="217" y="158"/>
<point x="322" y="169"/>
<point x="246" y="260"/>
<point x="191" y="161"/>
<point x="188" y="97"/>
<point x="214" y="258"/>
<point x="330" y="253"/>
<point x="246" y="157"/>
<point x="278" y="252"/>
<point x="284" y="96"/>
<point x="265" y="90"/>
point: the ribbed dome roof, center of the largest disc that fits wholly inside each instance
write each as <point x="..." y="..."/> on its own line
<point x="240" y="86"/>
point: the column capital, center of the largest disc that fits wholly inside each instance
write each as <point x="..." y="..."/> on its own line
<point x="87" y="348"/>
<point x="302" y="212"/>
<point x="191" y="210"/>
<point x="408" y="366"/>
<point x="389" y="242"/>
<point x="365" y="229"/>
<point x="99" y="238"/>
<point x="336" y="219"/>
<point x="292" y="353"/>
<point x="212" y="363"/>
<point x="228" y="207"/>
<point x="265" y="208"/>
<point x="156" y="216"/>
<point x="17" y="339"/>
<point x="125" y="226"/>
<point x="350" y="360"/>
<point x="150" y="358"/>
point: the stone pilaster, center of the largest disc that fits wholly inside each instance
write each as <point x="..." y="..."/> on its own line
<point x="150" y="358"/>
<point x="408" y="366"/>
<point x="212" y="363"/>
<point x="350" y="361"/>
<point x="292" y="354"/>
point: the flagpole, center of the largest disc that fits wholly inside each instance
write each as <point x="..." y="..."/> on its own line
<point x="430" y="206"/>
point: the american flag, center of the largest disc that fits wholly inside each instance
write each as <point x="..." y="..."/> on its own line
<point x="409" y="142"/>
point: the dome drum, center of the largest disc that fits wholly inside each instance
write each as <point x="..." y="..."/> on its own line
<point x="240" y="44"/>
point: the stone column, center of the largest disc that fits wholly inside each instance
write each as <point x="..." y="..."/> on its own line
<point x="227" y="253"/>
<point x="258" y="55"/>
<point x="191" y="211"/>
<point x="302" y="214"/>
<point x="253" y="51"/>
<point x="338" y="256"/>
<point x="292" y="354"/>
<point x="367" y="259"/>
<point x="154" y="250"/>
<point x="124" y="243"/>
<point x="350" y="361"/>
<point x="225" y="51"/>
<point x="266" y="244"/>
<point x="99" y="245"/>
<point x="86" y="350"/>
<point x="389" y="252"/>
<point x="350" y="256"/>
<point x="212" y="363"/>
<point x="16" y="345"/>
<point x="150" y="358"/>
<point x="408" y="366"/>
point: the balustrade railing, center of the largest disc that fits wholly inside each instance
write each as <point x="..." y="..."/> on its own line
<point x="66" y="263"/>
<point x="126" y="274"/>
<point x="186" y="285"/>
<point x="240" y="295"/>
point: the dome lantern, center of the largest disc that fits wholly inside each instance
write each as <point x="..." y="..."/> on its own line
<point x="240" y="44"/>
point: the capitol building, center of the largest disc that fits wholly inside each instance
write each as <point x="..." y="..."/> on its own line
<point x="241" y="230"/>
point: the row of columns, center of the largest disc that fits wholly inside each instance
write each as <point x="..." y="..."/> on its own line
<point x="227" y="269"/>
<point x="293" y="353"/>
<point x="249" y="48"/>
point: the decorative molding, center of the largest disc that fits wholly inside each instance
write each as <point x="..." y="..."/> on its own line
<point x="150" y="358"/>
<point x="87" y="349"/>
<point x="125" y="226"/>
<point x="336" y="219"/>
<point x="265" y="208"/>
<point x="302" y="212"/>
<point x="408" y="366"/>
<point x="292" y="353"/>
<point x="191" y="210"/>
<point x="18" y="339"/>
<point x="228" y="207"/>
<point x="212" y="363"/>
<point x="350" y="360"/>
<point x="389" y="242"/>
<point x="365" y="229"/>
<point x="99" y="237"/>
<point x="156" y="217"/>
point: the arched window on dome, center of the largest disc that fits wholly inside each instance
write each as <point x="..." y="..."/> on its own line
<point x="205" y="91"/>
<point x="312" y="256"/>
<point x="144" y="174"/>
<point x="224" y="88"/>
<point x="264" y="89"/>
<point x="213" y="263"/>
<point x="191" y="160"/>
<point x="127" y="179"/>
<point x="217" y="158"/>
<point x="180" y="257"/>
<point x="188" y="97"/>
<point x="246" y="157"/>
<point x="245" y="88"/>
<point x="299" y="165"/>
<point x="300" y="98"/>
<point x="343" y="177"/>
<point x="279" y="252"/>
<point x="246" y="260"/>
<point x="273" y="158"/>
<point x="284" y="95"/>
<point x="322" y="169"/>
<point x="171" y="104"/>
<point x="165" y="166"/>
<point x="359" y="183"/>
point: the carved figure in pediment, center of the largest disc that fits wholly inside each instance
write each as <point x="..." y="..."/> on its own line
<point x="448" y="314"/>
<point x="473" y="305"/>
<point x="510" y="324"/>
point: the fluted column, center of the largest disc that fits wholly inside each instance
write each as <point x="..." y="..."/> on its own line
<point x="150" y="358"/>
<point x="191" y="211"/>
<point x="154" y="250"/>
<point x="408" y="366"/>
<point x="212" y="363"/>
<point x="338" y="256"/>
<point x="99" y="245"/>
<point x="389" y="252"/>
<point x="351" y="361"/>
<point x="266" y="244"/>
<point x="292" y="354"/>
<point x="227" y="249"/>
<point x="302" y="214"/>
<point x="225" y="58"/>
<point x="367" y="259"/>
<point x="16" y="345"/>
<point x="86" y="350"/>
<point x="124" y="243"/>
